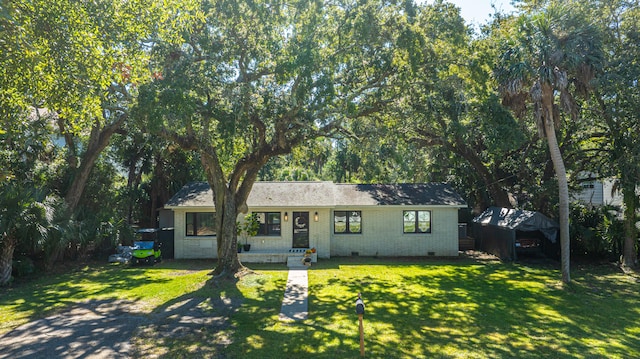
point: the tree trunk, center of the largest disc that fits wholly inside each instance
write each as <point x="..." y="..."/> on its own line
<point x="8" y="245"/>
<point x="98" y="141"/>
<point x="224" y="198"/>
<point x="80" y="179"/>
<point x="228" y="261"/>
<point x="497" y="193"/>
<point x="561" y="174"/>
<point x="629" y="254"/>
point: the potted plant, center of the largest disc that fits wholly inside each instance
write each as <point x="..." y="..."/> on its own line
<point x="306" y="258"/>
<point x="239" y="248"/>
<point x="250" y="228"/>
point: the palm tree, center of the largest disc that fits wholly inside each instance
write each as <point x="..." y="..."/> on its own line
<point x="551" y="56"/>
<point x="22" y="218"/>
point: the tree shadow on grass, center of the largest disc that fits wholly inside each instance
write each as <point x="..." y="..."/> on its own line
<point x="196" y="324"/>
<point x="488" y="310"/>
<point x="61" y="321"/>
<point x="96" y="328"/>
<point x="436" y="309"/>
<point x="215" y="321"/>
<point x="51" y="294"/>
<point x="476" y="309"/>
<point x="516" y="311"/>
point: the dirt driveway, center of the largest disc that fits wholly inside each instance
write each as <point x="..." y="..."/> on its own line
<point x="104" y="329"/>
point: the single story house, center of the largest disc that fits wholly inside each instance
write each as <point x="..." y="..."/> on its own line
<point x="418" y="219"/>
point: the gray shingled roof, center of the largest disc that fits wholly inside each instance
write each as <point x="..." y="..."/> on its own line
<point x="422" y="194"/>
<point x="326" y="194"/>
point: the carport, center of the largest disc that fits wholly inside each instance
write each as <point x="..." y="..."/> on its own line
<point x="505" y="231"/>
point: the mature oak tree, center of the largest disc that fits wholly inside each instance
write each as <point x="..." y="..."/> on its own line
<point x="81" y="60"/>
<point x="450" y="103"/>
<point x="617" y="128"/>
<point x="249" y="81"/>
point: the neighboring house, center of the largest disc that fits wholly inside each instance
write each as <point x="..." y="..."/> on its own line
<point x="598" y="192"/>
<point x="336" y="219"/>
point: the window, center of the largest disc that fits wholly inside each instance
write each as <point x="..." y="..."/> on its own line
<point x="269" y="223"/>
<point x="201" y="224"/>
<point x="417" y="222"/>
<point x="347" y="222"/>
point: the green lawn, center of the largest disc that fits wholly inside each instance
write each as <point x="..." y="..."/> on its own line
<point x="414" y="309"/>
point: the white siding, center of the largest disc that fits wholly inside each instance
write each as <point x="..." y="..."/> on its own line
<point x="191" y="247"/>
<point x="382" y="234"/>
<point x="599" y="192"/>
<point x="318" y="232"/>
<point x="206" y="247"/>
<point x="591" y="193"/>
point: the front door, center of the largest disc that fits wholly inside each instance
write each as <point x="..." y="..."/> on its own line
<point x="300" y="229"/>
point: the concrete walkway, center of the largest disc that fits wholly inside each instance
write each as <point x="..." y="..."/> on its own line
<point x="295" y="303"/>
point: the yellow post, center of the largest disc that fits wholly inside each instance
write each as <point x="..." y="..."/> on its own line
<point x="360" y="312"/>
<point x="361" y="336"/>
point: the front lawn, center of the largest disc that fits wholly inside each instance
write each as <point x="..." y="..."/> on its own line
<point x="414" y="309"/>
<point x="148" y="287"/>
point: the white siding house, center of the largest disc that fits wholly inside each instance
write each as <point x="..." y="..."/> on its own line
<point x="597" y="192"/>
<point x="336" y="219"/>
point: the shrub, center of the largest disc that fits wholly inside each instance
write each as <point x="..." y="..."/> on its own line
<point x="596" y="232"/>
<point x="22" y="266"/>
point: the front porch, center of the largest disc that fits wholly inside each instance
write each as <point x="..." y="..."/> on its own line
<point x="274" y="256"/>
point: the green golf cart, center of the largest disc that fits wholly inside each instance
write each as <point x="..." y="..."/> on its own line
<point x="146" y="248"/>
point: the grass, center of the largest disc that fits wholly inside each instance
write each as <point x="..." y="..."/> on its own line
<point x="414" y="309"/>
<point x="147" y="287"/>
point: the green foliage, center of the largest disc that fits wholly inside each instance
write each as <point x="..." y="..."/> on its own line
<point x="549" y="58"/>
<point x="22" y="222"/>
<point x="250" y="226"/>
<point x="68" y="54"/>
<point x="23" y="266"/>
<point x="596" y="232"/>
<point x="245" y="82"/>
<point x="82" y="62"/>
<point x="364" y="91"/>
<point x="260" y="69"/>
<point x="615" y="144"/>
<point x="552" y="45"/>
<point x="22" y="215"/>
<point x="304" y="163"/>
<point x="155" y="170"/>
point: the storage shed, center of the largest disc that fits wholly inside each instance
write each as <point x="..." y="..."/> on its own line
<point x="504" y="231"/>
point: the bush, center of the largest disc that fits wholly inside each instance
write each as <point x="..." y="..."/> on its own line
<point x="596" y="232"/>
<point x="22" y="266"/>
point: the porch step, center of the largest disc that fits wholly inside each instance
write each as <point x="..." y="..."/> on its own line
<point x="295" y="262"/>
<point x="272" y="256"/>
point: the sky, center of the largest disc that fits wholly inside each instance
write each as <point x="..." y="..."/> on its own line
<point x="477" y="11"/>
